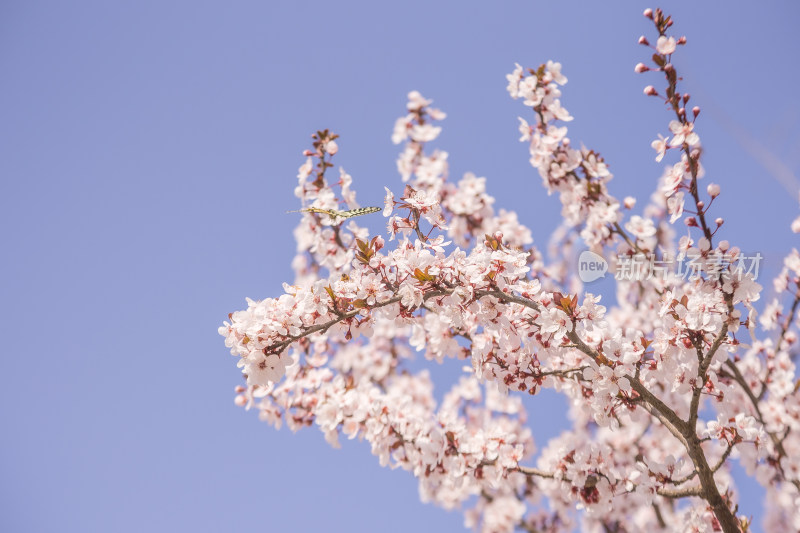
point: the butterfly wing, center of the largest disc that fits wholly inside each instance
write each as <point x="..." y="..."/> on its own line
<point x="358" y="212"/>
<point x="334" y="214"/>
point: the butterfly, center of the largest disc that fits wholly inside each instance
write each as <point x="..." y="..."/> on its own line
<point x="333" y="213"/>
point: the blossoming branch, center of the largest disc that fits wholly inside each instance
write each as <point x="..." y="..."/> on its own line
<point x="665" y="387"/>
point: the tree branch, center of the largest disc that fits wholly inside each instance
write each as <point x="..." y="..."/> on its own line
<point x="667" y="492"/>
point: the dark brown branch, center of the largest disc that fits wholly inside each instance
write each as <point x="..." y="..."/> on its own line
<point x="776" y="441"/>
<point x="702" y="371"/>
<point x="653" y="404"/>
<point x="282" y="345"/>
<point x="667" y="492"/>
<point x="785" y="327"/>
<point x="686" y="434"/>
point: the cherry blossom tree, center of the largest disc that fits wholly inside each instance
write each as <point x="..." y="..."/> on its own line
<point x="680" y="376"/>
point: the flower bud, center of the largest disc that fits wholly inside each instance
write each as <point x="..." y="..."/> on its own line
<point x="629" y="202"/>
<point x="643" y="40"/>
<point x="691" y="222"/>
<point x="331" y="147"/>
<point x="650" y="91"/>
<point x="648" y="13"/>
<point x="641" y="67"/>
<point x="719" y="221"/>
<point x="695" y="111"/>
<point x="712" y="190"/>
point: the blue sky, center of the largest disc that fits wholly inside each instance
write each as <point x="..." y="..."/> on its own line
<point x="148" y="151"/>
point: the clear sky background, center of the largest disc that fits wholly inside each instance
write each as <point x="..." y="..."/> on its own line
<point x="148" y="151"/>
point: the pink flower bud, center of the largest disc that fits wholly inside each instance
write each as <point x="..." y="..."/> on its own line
<point x="691" y="222"/>
<point x="719" y="221"/>
<point x="682" y="40"/>
<point x="643" y="40"/>
<point x="700" y="205"/>
<point x="629" y="202"/>
<point x="641" y="67"/>
<point x="650" y="91"/>
<point x="240" y="400"/>
<point x="695" y="111"/>
<point x="331" y="147"/>
<point x="648" y="13"/>
<point x="712" y="190"/>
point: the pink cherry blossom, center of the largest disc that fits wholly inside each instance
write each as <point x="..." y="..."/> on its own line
<point x="665" y="384"/>
<point x="683" y="133"/>
<point x="388" y="202"/>
<point x="660" y="146"/>
<point x="641" y="228"/>
<point x="665" y="45"/>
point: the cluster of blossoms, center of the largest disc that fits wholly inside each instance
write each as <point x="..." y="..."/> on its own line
<point x="662" y="392"/>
